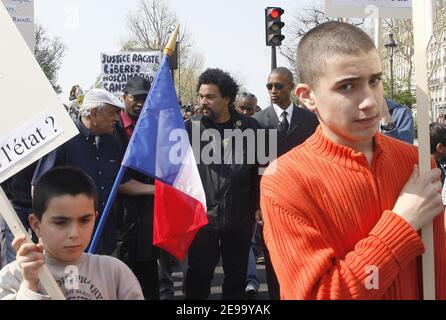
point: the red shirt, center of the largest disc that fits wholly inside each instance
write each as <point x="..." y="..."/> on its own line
<point x="128" y="124"/>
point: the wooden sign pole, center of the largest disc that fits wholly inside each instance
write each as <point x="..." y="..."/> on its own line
<point x="420" y="27"/>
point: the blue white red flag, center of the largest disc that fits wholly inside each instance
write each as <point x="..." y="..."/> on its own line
<point x="160" y="147"/>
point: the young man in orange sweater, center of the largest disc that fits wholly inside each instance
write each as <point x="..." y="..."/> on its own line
<point x="345" y="222"/>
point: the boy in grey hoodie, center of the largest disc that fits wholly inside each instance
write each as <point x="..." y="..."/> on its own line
<point x="64" y="212"/>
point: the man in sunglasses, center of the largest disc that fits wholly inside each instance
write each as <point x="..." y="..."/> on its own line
<point x="294" y="125"/>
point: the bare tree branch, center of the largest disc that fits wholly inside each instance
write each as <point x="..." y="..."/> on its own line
<point x="150" y="28"/>
<point x="309" y="18"/>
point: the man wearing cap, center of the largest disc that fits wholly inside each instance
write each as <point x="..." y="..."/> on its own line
<point x="96" y="151"/>
<point x="136" y="199"/>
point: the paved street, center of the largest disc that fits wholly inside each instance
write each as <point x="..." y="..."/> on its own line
<point x="217" y="282"/>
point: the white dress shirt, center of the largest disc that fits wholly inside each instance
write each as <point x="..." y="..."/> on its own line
<point x="279" y="112"/>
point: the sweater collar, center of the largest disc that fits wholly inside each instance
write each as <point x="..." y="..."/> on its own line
<point x="340" y="154"/>
<point x="54" y="262"/>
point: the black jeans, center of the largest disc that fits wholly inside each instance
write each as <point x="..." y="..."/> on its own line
<point x="204" y="254"/>
<point x="271" y="278"/>
<point x="147" y="274"/>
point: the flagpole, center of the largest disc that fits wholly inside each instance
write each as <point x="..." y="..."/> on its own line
<point x="170" y="47"/>
<point x="421" y="38"/>
<point x="106" y="212"/>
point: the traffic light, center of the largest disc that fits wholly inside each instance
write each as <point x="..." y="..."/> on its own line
<point x="274" y="25"/>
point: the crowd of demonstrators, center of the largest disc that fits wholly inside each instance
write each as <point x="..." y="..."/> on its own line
<point x="341" y="196"/>
<point x="231" y="192"/>
<point x="64" y="211"/>
<point x="352" y="199"/>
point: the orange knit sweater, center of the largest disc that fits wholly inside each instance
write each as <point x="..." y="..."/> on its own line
<point x="328" y="223"/>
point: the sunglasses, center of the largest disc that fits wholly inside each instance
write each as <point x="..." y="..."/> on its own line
<point x="278" y="86"/>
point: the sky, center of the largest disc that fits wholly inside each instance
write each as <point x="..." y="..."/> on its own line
<point x="229" y="34"/>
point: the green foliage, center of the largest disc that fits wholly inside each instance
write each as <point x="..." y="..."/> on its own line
<point x="400" y="93"/>
<point x="49" y="54"/>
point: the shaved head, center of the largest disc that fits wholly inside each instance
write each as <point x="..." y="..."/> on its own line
<point x="285" y="72"/>
<point x="325" y="41"/>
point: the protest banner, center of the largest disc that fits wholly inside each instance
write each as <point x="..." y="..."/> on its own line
<point x="365" y="8"/>
<point x="21" y="142"/>
<point x="28" y="99"/>
<point x="35" y="121"/>
<point x="118" y="68"/>
<point x="22" y="13"/>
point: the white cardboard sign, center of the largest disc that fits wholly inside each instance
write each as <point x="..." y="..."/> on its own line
<point x="31" y="136"/>
<point x="422" y="17"/>
<point x="384" y="9"/>
<point x="25" y="96"/>
<point x="378" y="3"/>
<point x="117" y="68"/>
<point x="22" y="13"/>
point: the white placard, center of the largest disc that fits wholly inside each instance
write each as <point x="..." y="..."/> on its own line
<point x="378" y="3"/>
<point x="12" y="8"/>
<point x="25" y="95"/>
<point x="28" y="138"/>
<point x="384" y="9"/>
<point x="119" y="67"/>
<point x="22" y="13"/>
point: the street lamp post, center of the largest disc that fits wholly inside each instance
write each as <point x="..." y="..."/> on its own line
<point x="390" y="46"/>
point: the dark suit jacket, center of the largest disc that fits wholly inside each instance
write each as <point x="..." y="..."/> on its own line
<point x="303" y="124"/>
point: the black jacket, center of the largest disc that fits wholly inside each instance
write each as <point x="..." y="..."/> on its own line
<point x="303" y="124"/>
<point x="231" y="187"/>
<point x="18" y="187"/>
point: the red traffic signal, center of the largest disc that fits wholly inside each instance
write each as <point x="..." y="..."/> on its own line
<point x="273" y="26"/>
<point x="275" y="13"/>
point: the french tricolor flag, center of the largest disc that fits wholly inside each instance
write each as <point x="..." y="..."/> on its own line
<point x="160" y="148"/>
